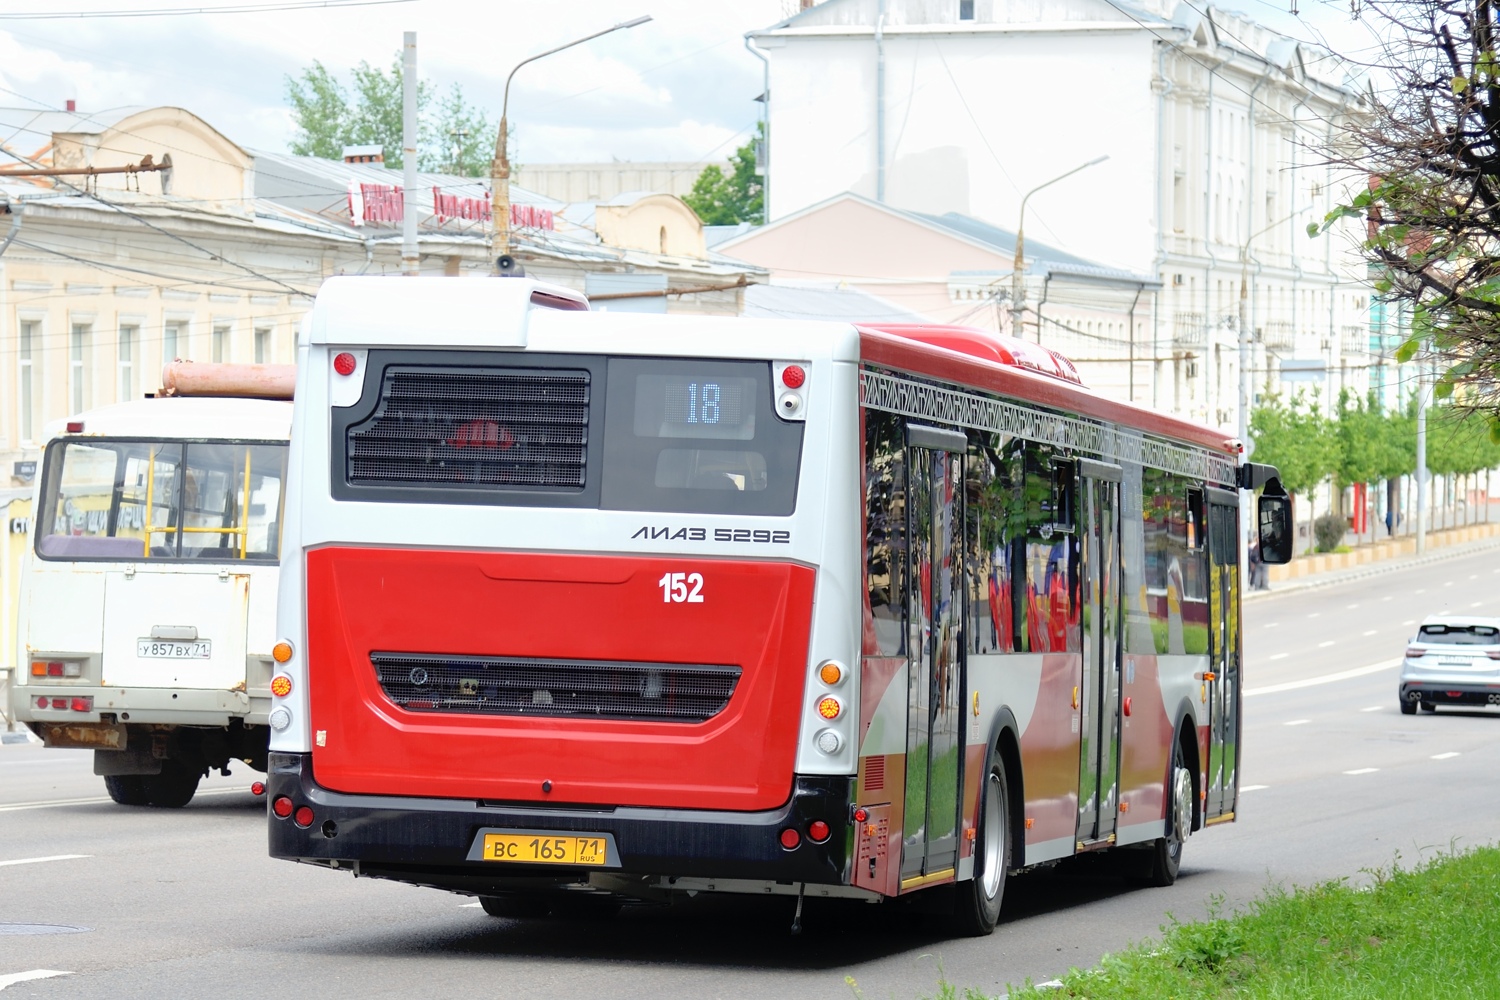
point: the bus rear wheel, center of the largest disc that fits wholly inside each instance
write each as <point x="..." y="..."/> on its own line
<point x="977" y="904"/>
<point x="126" y="789"/>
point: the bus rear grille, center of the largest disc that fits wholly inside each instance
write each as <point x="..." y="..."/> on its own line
<point x="604" y="689"/>
<point x="493" y="427"/>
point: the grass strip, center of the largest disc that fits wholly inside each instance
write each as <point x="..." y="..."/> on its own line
<point x="1428" y="931"/>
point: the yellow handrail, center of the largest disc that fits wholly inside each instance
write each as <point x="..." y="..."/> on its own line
<point x="245" y="510"/>
<point x="150" y="499"/>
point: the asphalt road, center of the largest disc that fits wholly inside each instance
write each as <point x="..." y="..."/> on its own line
<point x="185" y="903"/>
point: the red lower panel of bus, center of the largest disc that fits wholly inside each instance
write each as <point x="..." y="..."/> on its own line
<point x="752" y="615"/>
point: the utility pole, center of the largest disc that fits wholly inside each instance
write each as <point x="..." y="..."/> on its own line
<point x="1421" y="458"/>
<point x="1018" y="267"/>
<point x="410" y="262"/>
<point x="500" y="165"/>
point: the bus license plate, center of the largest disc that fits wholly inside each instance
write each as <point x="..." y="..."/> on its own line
<point x="169" y="649"/>
<point x="532" y="849"/>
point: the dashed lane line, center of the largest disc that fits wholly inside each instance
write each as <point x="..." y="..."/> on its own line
<point x="92" y="800"/>
<point x="1370" y="633"/>
<point x="1254" y="788"/>
<point x="1342" y="675"/>
<point x="1445" y="756"/>
<point x="37" y="861"/>
<point x="1297" y="722"/>
<point x="1325" y="645"/>
<point x="1373" y="708"/>
<point x="1363" y="770"/>
<point x="12" y="978"/>
<point x="1278" y="656"/>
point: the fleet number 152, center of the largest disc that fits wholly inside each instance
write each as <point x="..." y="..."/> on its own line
<point x="679" y="588"/>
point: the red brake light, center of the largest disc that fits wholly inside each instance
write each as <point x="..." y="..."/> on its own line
<point x="861" y="814"/>
<point x="344" y="363"/>
<point x="303" y="816"/>
<point x="75" y="426"/>
<point x="42" y="703"/>
<point x="817" y="831"/>
<point x="790" y="838"/>
<point x="792" y="376"/>
<point x="281" y="806"/>
<point x="83" y="704"/>
<point x="257" y="788"/>
<point x="1415" y="652"/>
<point x="54" y="670"/>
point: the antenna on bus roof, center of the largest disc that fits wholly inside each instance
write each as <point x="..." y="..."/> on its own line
<point x="187" y="378"/>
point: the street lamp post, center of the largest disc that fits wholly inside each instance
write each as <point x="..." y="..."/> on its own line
<point x="500" y="165"/>
<point x="1017" y="301"/>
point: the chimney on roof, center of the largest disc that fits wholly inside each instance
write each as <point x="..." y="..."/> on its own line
<point x="364" y="154"/>
<point x="72" y="105"/>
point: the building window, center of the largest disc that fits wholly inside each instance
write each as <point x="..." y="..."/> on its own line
<point x="221" y="344"/>
<point x="78" y="372"/>
<point x="26" y="381"/>
<point x="173" y="342"/>
<point x="126" y="364"/>
<point x="262" y="346"/>
<point x="966" y="10"/>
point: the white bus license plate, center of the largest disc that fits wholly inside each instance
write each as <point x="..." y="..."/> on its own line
<point x="170" y="649"/>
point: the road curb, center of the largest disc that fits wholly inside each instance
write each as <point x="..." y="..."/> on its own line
<point x="1335" y="577"/>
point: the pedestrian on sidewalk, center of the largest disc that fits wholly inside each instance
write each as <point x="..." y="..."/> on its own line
<point x="1259" y="575"/>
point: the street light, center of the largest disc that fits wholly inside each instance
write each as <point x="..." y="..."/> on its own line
<point x="500" y="165"/>
<point x="1017" y="303"/>
<point x="1243" y="422"/>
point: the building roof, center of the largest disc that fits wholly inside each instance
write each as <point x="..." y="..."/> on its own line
<point x="823" y="301"/>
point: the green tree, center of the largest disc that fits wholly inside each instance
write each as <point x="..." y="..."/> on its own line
<point x="455" y="137"/>
<point x="1300" y="441"/>
<point x="722" y="200"/>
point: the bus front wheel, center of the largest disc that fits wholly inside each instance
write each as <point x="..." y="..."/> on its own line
<point x="1166" y="852"/>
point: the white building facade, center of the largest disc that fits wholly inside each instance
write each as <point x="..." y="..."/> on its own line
<point x="1214" y="129"/>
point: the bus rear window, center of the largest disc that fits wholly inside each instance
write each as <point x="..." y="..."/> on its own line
<point x="151" y="500"/>
<point x="697" y="436"/>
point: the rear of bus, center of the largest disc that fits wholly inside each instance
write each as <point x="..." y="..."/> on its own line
<point x="148" y="592"/>
<point x="548" y="603"/>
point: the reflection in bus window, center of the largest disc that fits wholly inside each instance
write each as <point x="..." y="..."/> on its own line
<point x="130" y="500"/>
<point x="885" y="532"/>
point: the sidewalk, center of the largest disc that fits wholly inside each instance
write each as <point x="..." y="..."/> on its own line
<point x="1386" y="557"/>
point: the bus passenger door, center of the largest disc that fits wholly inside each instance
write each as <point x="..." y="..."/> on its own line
<point x="1223" y="690"/>
<point x="1099" y="687"/>
<point x="934" y="762"/>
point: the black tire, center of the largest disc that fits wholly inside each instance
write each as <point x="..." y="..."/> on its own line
<point x="1429" y="706"/>
<point x="1166" y="851"/>
<point x="516" y="906"/>
<point x="977" y="902"/>
<point x="126" y="789"/>
<point x="1408" y="707"/>
<point x="173" y="788"/>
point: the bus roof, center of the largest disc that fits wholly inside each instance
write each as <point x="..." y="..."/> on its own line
<point x="183" y="418"/>
<point x="1017" y="380"/>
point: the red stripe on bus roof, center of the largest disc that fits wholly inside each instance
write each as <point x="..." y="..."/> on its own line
<point x="892" y="350"/>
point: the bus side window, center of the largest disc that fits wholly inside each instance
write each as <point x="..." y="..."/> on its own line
<point x="885" y="532"/>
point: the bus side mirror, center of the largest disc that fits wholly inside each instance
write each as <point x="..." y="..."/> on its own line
<point x="1273" y="516"/>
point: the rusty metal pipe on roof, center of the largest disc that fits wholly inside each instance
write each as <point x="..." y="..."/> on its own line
<point x="188" y="378"/>
<point x="146" y="166"/>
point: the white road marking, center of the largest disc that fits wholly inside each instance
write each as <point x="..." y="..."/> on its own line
<point x="1342" y="675"/>
<point x="55" y="803"/>
<point x="463" y="906"/>
<point x="1477" y="604"/>
<point x="1473" y="576"/>
<point x="1409" y="621"/>
<point x="1371" y="632"/>
<point x="1271" y="625"/>
<point x="1253" y="788"/>
<point x="1444" y="756"/>
<point x="1325" y="645"/>
<point x="35" y="861"/>
<point x="1372" y="708"/>
<point x="1363" y="770"/>
<point x="12" y="978"/>
<point x="1387" y="597"/>
<point x="1297" y="722"/>
<point x="1278" y="656"/>
<point x="1350" y="607"/>
<point x="1447" y="583"/>
<point x="1315" y="614"/>
<point x="1421" y="590"/>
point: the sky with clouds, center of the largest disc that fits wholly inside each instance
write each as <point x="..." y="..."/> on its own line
<point x="679" y="88"/>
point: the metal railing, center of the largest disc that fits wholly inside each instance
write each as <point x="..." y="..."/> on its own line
<point x="1278" y="335"/>
<point x="1189" y="332"/>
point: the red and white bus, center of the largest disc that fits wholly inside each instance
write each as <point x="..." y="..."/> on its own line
<point x="585" y="607"/>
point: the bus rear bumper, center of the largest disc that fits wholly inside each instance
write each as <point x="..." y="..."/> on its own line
<point x="432" y="841"/>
